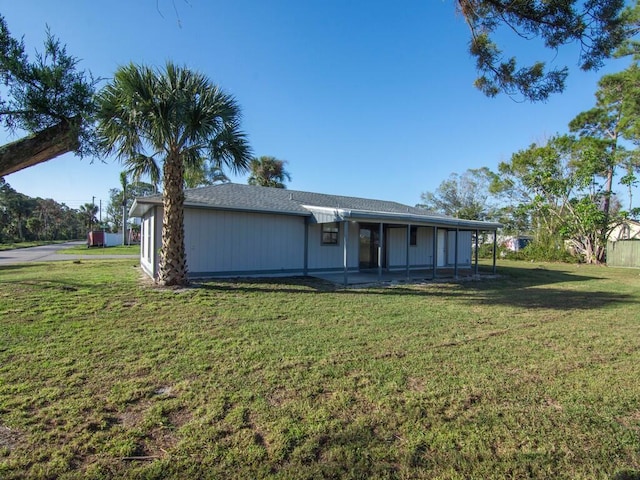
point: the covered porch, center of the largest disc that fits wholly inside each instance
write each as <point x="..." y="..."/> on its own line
<point x="389" y="247"/>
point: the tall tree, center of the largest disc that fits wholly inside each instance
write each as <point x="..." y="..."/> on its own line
<point x="25" y="218"/>
<point x="88" y="211"/>
<point x="177" y="115"/>
<point x="48" y="98"/>
<point x="614" y="117"/>
<point x="621" y="91"/>
<point x="48" y="216"/>
<point x="462" y="196"/>
<point x="35" y="226"/>
<point x="17" y="208"/>
<point x="556" y="185"/>
<point x="268" y="171"/>
<point x="599" y="27"/>
<point x="630" y="46"/>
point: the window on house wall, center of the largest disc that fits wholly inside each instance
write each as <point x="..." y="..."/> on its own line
<point x="413" y="236"/>
<point x="330" y="233"/>
<point x="143" y="239"/>
<point x="147" y="228"/>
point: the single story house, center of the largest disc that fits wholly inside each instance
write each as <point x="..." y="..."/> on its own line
<point x="234" y="230"/>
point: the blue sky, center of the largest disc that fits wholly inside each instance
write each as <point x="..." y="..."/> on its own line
<point x="373" y="100"/>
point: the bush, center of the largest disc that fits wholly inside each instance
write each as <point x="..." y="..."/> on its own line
<point x="551" y="250"/>
<point x="485" y="250"/>
<point x="548" y="252"/>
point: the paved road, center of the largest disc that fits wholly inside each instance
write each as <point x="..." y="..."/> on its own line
<point x="47" y="253"/>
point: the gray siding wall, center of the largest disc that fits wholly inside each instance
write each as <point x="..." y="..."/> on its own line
<point x="464" y="247"/>
<point x="149" y="238"/>
<point x="243" y="243"/>
<point x="419" y="255"/>
<point x="331" y="257"/>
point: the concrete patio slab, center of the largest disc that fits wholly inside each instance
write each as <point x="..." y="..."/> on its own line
<point x="400" y="276"/>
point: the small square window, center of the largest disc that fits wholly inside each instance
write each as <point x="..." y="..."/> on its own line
<point x="413" y="236"/>
<point x="330" y="233"/>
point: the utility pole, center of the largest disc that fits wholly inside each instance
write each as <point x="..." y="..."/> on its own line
<point x="104" y="240"/>
<point x="123" y="181"/>
<point x="93" y="204"/>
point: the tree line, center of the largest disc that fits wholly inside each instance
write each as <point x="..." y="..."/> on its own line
<point x="562" y="191"/>
<point x="24" y="218"/>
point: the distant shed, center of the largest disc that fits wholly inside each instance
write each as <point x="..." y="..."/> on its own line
<point x="624" y="253"/>
<point x="623" y="245"/>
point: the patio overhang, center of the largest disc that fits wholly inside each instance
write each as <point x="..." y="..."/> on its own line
<point x="328" y="215"/>
<point x="141" y="206"/>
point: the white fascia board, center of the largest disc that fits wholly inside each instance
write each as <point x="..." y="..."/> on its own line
<point x="138" y="209"/>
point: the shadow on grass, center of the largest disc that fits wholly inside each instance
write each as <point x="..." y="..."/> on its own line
<point x="16" y="266"/>
<point x="532" y="288"/>
<point x="524" y="288"/>
<point x="627" y="475"/>
<point x="65" y="281"/>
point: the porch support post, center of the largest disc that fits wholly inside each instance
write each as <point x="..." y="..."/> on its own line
<point x="495" y="248"/>
<point x="306" y="247"/>
<point x="476" y="251"/>
<point x="455" y="261"/>
<point x="345" y="242"/>
<point x="435" y="252"/>
<point x="408" y="245"/>
<point x="380" y="249"/>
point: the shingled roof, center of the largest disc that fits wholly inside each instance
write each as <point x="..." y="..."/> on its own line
<point x="231" y="196"/>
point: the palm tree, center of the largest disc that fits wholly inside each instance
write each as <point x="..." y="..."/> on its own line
<point x="88" y="211"/>
<point x="181" y="118"/>
<point x="203" y="175"/>
<point x="268" y="172"/>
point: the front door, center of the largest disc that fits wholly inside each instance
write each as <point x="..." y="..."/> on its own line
<point x="369" y="243"/>
<point x="442" y="247"/>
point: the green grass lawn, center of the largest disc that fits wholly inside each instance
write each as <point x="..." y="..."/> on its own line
<point x="119" y="250"/>
<point x="532" y="375"/>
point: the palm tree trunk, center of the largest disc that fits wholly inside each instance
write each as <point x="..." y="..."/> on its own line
<point x="173" y="259"/>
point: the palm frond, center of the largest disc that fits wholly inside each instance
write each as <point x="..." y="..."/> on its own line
<point x="143" y="166"/>
<point x="230" y="148"/>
